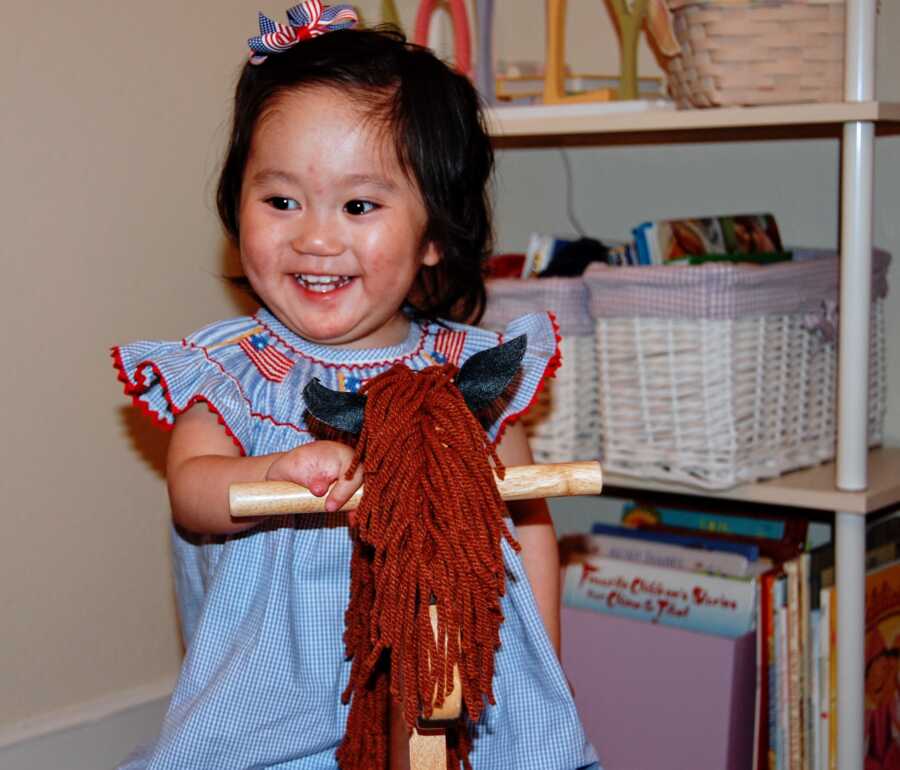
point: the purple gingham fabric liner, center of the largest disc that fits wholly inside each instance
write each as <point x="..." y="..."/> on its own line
<point x="720" y="292"/>
<point x="567" y="298"/>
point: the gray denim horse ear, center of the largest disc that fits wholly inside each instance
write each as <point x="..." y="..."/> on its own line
<point x="483" y="377"/>
<point x="481" y="380"/>
<point x="344" y="411"/>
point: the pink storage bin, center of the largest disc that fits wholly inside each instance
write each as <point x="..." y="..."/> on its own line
<point x="653" y="697"/>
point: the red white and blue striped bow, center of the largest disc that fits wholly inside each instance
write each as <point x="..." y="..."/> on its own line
<point x="308" y="19"/>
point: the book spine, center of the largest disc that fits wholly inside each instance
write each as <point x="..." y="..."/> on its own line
<point x="825" y="680"/>
<point x="792" y="570"/>
<point x="781" y="675"/>
<point x="763" y="757"/>
<point x="804" y="659"/>
<point x="749" y="550"/>
<point x="832" y="678"/>
<point x="669" y="555"/>
<point x="759" y="751"/>
<point x="768" y="619"/>
<point x="815" y="618"/>
<point x="722" y="524"/>
<point x="641" y="242"/>
<point x="692" y="601"/>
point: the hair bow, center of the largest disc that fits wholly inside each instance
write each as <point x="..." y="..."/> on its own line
<point x="306" y="20"/>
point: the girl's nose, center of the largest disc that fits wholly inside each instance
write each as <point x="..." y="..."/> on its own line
<point x="317" y="236"/>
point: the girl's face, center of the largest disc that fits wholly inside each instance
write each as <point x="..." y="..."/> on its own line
<point x="331" y="228"/>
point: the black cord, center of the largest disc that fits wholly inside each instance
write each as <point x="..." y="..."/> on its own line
<point x="570" y="195"/>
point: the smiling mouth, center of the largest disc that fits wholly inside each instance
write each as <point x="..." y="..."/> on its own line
<point x="322" y="284"/>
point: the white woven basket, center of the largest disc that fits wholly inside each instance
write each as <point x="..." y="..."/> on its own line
<point x="564" y="423"/>
<point x="713" y="400"/>
<point x="747" y="52"/>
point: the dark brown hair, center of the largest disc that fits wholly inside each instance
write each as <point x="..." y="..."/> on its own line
<point x="435" y="118"/>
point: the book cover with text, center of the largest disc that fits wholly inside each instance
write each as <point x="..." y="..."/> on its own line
<point x="694" y="601"/>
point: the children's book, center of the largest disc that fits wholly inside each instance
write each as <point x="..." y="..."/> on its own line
<point x="832" y="678"/>
<point x="804" y="658"/>
<point x="764" y="717"/>
<point x="815" y="619"/>
<point x="663" y="554"/>
<point x="826" y="642"/>
<point x="777" y="538"/>
<point x="694" y="601"/>
<point x="794" y="688"/>
<point x="685" y="539"/>
<point x="678" y="240"/>
<point x="882" y="650"/>
<point x="782" y="742"/>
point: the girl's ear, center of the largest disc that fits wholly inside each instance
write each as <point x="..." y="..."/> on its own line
<point x="432" y="255"/>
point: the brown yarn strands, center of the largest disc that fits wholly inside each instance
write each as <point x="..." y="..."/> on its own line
<point x="428" y="529"/>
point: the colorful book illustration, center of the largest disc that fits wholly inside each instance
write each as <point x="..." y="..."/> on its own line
<point x="745" y="237"/>
<point x="694" y="601"/>
<point x="882" y="650"/>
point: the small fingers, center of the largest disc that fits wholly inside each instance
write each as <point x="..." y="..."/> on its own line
<point x="343" y="490"/>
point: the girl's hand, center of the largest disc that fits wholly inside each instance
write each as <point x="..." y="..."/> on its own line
<point x="318" y="466"/>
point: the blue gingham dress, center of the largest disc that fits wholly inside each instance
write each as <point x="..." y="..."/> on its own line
<point x="262" y="612"/>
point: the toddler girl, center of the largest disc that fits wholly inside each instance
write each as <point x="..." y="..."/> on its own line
<point x="355" y="188"/>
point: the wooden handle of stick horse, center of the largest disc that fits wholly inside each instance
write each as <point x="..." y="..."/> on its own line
<point x="522" y="482"/>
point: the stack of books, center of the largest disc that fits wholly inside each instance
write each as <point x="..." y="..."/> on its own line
<point x="798" y="622"/>
<point x="688" y="569"/>
<point x="702" y="575"/>
<point x="731" y="576"/>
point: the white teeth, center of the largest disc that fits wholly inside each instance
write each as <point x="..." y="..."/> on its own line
<point x="321" y="283"/>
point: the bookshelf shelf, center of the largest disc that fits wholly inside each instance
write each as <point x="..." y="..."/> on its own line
<point x="599" y="123"/>
<point x="810" y="488"/>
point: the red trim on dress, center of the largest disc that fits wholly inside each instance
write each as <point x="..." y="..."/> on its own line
<point x="328" y="364"/>
<point x="237" y="384"/>
<point x="139" y="387"/>
<point x="550" y="369"/>
<point x="136" y="388"/>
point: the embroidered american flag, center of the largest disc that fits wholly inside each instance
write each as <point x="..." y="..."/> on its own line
<point x="269" y="360"/>
<point x="347" y="383"/>
<point x="449" y="345"/>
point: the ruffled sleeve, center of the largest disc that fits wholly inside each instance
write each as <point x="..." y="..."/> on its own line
<point x="165" y="379"/>
<point x="542" y="359"/>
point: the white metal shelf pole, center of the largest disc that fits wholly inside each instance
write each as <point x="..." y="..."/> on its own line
<point x="856" y="269"/>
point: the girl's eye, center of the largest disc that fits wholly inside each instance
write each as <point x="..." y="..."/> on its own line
<point x="357" y="207"/>
<point x="282" y="204"/>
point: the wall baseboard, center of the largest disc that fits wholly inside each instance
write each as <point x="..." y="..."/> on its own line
<point x="96" y="735"/>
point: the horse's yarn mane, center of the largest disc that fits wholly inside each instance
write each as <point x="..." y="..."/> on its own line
<point x="428" y="530"/>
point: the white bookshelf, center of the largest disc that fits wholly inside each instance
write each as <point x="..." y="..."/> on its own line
<point x="810" y="488"/>
<point x="566" y="121"/>
<point x="858" y="481"/>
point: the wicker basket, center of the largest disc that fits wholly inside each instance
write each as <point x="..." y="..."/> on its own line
<point x="746" y="52"/>
<point x="720" y="375"/>
<point x="564" y="423"/>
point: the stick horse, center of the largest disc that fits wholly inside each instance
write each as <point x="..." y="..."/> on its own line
<point x="427" y="572"/>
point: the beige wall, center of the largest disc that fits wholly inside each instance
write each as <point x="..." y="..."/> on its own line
<point x="112" y="118"/>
